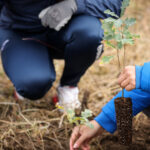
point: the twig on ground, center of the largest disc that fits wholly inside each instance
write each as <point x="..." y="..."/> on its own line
<point x="30" y="139"/>
<point x="61" y="120"/>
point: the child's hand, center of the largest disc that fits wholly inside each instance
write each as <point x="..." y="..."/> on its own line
<point x="127" y="78"/>
<point x="82" y="135"/>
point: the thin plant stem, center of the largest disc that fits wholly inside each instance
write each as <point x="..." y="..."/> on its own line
<point x="124" y="58"/>
<point x="122" y="92"/>
<point x="119" y="65"/>
<point x="124" y="63"/>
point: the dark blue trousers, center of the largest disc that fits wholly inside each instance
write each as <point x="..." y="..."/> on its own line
<point x="27" y="57"/>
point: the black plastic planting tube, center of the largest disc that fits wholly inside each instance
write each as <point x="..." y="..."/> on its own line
<point x="123" y="108"/>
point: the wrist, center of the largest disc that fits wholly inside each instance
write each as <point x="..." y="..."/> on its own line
<point x="97" y="126"/>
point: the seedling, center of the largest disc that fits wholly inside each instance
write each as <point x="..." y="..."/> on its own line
<point x="77" y="120"/>
<point x="117" y="36"/>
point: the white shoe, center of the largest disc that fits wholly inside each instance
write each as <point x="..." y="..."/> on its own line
<point x="18" y="96"/>
<point x="68" y="97"/>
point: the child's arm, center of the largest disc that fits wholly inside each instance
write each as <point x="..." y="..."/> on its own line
<point x="82" y="135"/>
<point x="107" y="118"/>
<point x="143" y="77"/>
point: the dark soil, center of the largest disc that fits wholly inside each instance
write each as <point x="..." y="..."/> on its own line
<point x="123" y="107"/>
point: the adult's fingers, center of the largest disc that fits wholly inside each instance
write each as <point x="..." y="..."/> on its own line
<point x="80" y="141"/>
<point x="121" y="78"/>
<point x="129" y="87"/>
<point x="85" y="145"/>
<point x="43" y="12"/>
<point x="125" y="83"/>
<point x="44" y="20"/>
<point x="74" y="136"/>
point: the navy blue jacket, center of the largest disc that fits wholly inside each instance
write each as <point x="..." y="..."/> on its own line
<point x="23" y="14"/>
<point x="1" y="4"/>
<point x="140" y="99"/>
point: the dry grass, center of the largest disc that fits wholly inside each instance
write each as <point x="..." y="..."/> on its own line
<point x="35" y="125"/>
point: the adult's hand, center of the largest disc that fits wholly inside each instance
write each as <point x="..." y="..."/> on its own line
<point x="82" y="135"/>
<point x="127" y="78"/>
<point x="57" y="15"/>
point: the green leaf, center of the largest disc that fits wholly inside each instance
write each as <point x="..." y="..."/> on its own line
<point x="127" y="34"/>
<point x="74" y="120"/>
<point x="130" y="21"/>
<point x="70" y="113"/>
<point x="118" y="23"/>
<point x="106" y="59"/>
<point x="107" y="26"/>
<point x="119" y="45"/>
<point x="108" y="37"/>
<point x="87" y="113"/>
<point x="128" y="41"/>
<point x="111" y="13"/>
<point x="118" y="37"/>
<point x="135" y="36"/>
<point x="109" y="20"/>
<point x="125" y="4"/>
<point x="109" y="32"/>
<point x="110" y="44"/>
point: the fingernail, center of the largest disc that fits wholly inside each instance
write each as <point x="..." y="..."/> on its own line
<point x="75" y="146"/>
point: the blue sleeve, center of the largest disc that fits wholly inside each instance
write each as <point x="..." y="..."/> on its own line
<point x="143" y="77"/>
<point x="107" y="118"/>
<point x="97" y="7"/>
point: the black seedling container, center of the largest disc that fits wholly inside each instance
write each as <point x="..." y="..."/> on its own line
<point x="123" y="107"/>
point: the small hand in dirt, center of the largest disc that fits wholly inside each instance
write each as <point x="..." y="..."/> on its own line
<point x="127" y="78"/>
<point x="82" y="135"/>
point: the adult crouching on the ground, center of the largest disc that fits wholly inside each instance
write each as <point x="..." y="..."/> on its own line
<point x="136" y="81"/>
<point x="34" y="32"/>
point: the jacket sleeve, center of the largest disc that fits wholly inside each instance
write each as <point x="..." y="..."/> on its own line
<point x="107" y="118"/>
<point x="97" y="7"/>
<point x="143" y="77"/>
